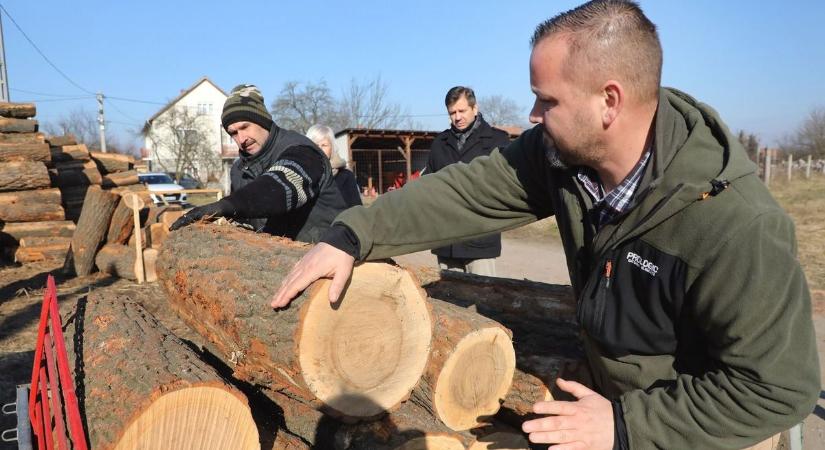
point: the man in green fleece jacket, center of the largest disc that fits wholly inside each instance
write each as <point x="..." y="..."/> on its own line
<point x="696" y="314"/>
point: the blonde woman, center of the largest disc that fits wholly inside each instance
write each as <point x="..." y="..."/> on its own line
<point x="324" y="138"/>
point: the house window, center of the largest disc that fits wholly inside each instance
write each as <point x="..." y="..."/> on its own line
<point x="204" y="109"/>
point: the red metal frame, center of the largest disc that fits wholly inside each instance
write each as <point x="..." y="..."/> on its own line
<point x="46" y="412"/>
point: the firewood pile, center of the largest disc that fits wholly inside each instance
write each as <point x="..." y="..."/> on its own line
<point x="394" y="365"/>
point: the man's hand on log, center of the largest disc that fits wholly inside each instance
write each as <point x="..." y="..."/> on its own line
<point x="220" y="208"/>
<point x="323" y="261"/>
<point x="583" y="424"/>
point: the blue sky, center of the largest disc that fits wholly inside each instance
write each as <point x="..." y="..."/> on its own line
<point x="760" y="64"/>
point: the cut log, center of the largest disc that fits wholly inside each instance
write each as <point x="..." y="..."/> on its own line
<point x="356" y="360"/>
<point x="525" y="391"/>
<point x="139" y="386"/>
<point x="117" y="260"/>
<point x="144" y="238"/>
<point x="24" y="152"/>
<point x="150" y="261"/>
<point x="8" y="125"/>
<point x="113" y="162"/>
<point x="168" y="217"/>
<point x="41" y="249"/>
<point x="501" y="440"/>
<point x="21" y="230"/>
<point x="155" y="212"/>
<point x="59" y="141"/>
<point x="91" y="229"/>
<point x="120" y="178"/>
<point x="158" y="233"/>
<point x="409" y="427"/>
<point x="75" y="173"/>
<point x="31" y="206"/>
<point x="23" y="175"/>
<point x="17" y="110"/>
<point x="66" y="153"/>
<point x="22" y="138"/>
<point x="121" y="226"/>
<point x="470" y="369"/>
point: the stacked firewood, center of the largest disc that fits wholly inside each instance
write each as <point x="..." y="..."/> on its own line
<point x="33" y="223"/>
<point x="394" y="365"/>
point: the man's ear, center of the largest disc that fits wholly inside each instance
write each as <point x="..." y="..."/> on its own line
<point x="614" y="96"/>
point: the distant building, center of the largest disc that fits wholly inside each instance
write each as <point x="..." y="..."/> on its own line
<point x="193" y="116"/>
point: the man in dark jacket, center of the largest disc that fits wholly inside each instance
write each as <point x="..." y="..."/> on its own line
<point x="468" y="137"/>
<point x="695" y="312"/>
<point x="282" y="182"/>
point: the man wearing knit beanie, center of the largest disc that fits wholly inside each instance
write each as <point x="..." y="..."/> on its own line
<point x="281" y="183"/>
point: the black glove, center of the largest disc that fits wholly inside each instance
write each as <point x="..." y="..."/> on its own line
<point x="221" y="208"/>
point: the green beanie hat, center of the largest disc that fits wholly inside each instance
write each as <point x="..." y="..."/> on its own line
<point x="245" y="103"/>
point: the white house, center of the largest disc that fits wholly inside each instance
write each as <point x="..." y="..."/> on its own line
<point x="194" y="114"/>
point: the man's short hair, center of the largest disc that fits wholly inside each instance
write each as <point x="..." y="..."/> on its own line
<point x="609" y="39"/>
<point x="454" y="95"/>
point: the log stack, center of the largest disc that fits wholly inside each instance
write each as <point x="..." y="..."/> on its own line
<point x="389" y="367"/>
<point x="30" y="206"/>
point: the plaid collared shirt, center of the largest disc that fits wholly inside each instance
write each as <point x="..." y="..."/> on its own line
<point x="608" y="206"/>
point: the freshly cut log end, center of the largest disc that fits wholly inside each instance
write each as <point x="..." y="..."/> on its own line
<point x="475" y="378"/>
<point x="193" y="418"/>
<point x="365" y="356"/>
<point x="501" y="440"/>
<point x="433" y="443"/>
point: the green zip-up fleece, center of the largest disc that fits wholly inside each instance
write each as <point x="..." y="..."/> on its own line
<point x="695" y="310"/>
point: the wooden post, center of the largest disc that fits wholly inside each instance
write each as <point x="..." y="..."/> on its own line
<point x="408" y="141"/>
<point x="135" y="204"/>
<point x="808" y="169"/>
<point x="790" y="166"/>
<point x="380" y="174"/>
<point x="767" y="167"/>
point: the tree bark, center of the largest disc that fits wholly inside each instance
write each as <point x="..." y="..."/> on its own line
<point x="75" y="173"/>
<point x="17" y="110"/>
<point x="21" y="230"/>
<point x="121" y="226"/>
<point x="31" y="206"/>
<point x="14" y="151"/>
<point x="139" y="386"/>
<point x="470" y="369"/>
<point x="91" y="229"/>
<point x="158" y="233"/>
<point x="113" y="162"/>
<point x="8" y="125"/>
<point x="23" y="175"/>
<point x="65" y="153"/>
<point x="120" y="178"/>
<point x="357" y="360"/>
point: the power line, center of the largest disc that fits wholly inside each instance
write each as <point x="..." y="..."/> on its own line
<point x="42" y="93"/>
<point x="123" y="99"/>
<point x="120" y="111"/>
<point x="42" y="54"/>
<point x="57" y="99"/>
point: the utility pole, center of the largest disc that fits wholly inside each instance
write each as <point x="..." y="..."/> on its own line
<point x="101" y="120"/>
<point x="4" y="78"/>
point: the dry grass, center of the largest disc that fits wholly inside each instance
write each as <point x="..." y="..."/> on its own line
<point x="804" y="200"/>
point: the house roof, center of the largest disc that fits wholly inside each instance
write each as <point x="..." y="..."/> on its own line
<point x="182" y="94"/>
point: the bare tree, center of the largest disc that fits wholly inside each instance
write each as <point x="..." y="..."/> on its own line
<point x="501" y="111"/>
<point x="751" y="143"/>
<point x="80" y="122"/>
<point x="809" y="138"/>
<point x="298" y="107"/>
<point x="182" y="144"/>
<point x="367" y="105"/>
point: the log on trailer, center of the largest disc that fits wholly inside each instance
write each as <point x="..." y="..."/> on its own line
<point x="357" y="359"/>
<point x="470" y="369"/>
<point x="58" y="141"/>
<point x="139" y="386"/>
<point x="24" y="151"/>
<point x="91" y="229"/>
<point x="125" y="178"/>
<point x="22" y="138"/>
<point x="75" y="173"/>
<point x="17" y="110"/>
<point x="23" y="175"/>
<point x="10" y="125"/>
<point x="65" y="153"/>
<point x="31" y="206"/>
